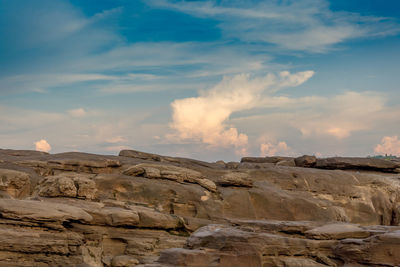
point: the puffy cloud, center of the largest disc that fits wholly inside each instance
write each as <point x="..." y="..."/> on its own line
<point x="271" y="149"/>
<point x="42" y="145"/>
<point x="389" y="145"/>
<point x="204" y="118"/>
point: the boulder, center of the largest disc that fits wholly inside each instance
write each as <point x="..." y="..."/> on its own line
<point x="67" y="185"/>
<point x="306" y="161"/>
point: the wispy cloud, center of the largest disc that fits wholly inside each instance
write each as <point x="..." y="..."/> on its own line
<point x="304" y="25"/>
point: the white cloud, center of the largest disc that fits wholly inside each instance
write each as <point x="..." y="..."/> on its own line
<point x="79" y="112"/>
<point x="42" y="145"/>
<point x="204" y="118"/>
<point x="389" y="145"/>
<point x="116" y="139"/>
<point x="306" y="25"/>
<point x="274" y="149"/>
<point x="338" y="116"/>
<point x="41" y="82"/>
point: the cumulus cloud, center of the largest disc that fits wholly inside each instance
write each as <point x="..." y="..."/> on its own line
<point x="42" y="145"/>
<point x="274" y="149"/>
<point x="389" y="145"/>
<point x="205" y="118"/>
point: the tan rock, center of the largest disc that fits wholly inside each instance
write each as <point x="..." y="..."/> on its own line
<point x="67" y="185"/>
<point x="153" y="219"/>
<point x="358" y="163"/>
<point x="263" y="159"/>
<point x="235" y="179"/>
<point x="222" y="245"/>
<point x="139" y="155"/>
<point x="232" y="165"/>
<point x="306" y="161"/>
<point x="337" y="231"/>
<point x="124" y="261"/>
<point x="170" y="172"/>
<point x="41" y="211"/>
<point x="287" y="163"/>
<point x="15" y="183"/>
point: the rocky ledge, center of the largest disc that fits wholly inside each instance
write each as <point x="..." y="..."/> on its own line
<point x="141" y="209"/>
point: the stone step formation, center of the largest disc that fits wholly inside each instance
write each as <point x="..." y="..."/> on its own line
<point x="142" y="209"/>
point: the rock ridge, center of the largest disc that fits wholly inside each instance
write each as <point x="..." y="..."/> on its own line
<point x="143" y="209"/>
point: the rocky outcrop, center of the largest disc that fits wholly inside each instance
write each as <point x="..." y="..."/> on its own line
<point x="177" y="174"/>
<point x="79" y="209"/>
<point x="265" y="243"/>
<point x="358" y="163"/>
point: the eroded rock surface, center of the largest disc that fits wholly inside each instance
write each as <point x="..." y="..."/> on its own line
<point x="248" y="244"/>
<point x="142" y="209"/>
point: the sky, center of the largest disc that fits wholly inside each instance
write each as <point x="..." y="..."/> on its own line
<point x="202" y="79"/>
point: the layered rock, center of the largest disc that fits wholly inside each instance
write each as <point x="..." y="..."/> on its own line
<point x="74" y="209"/>
<point x="266" y="243"/>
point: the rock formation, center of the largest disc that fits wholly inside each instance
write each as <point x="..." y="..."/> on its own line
<point x="142" y="209"/>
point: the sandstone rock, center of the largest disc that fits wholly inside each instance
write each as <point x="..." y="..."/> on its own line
<point x="124" y="261"/>
<point x="16" y="183"/>
<point x="232" y="165"/>
<point x="184" y="162"/>
<point x="170" y="172"/>
<point x="22" y="153"/>
<point x="263" y="159"/>
<point x="337" y="231"/>
<point x="358" y="163"/>
<point x="235" y="179"/>
<point x="381" y="249"/>
<point x="118" y="217"/>
<point x="306" y="161"/>
<point x="287" y="163"/>
<point x="152" y="219"/>
<point x="222" y="245"/>
<point x="221" y="163"/>
<point x="91" y="210"/>
<point x="67" y="185"/>
<point x="139" y="155"/>
<point x="41" y="211"/>
<point x="71" y="161"/>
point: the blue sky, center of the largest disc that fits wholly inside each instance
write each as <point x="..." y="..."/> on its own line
<point x="203" y="79"/>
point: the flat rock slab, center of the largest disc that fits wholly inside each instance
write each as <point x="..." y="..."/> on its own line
<point x="357" y="163"/>
<point x="337" y="231"/>
<point x="41" y="211"/>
